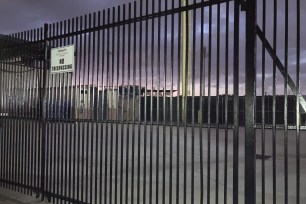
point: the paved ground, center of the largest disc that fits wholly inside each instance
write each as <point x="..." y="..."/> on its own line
<point x="62" y="166"/>
<point x="12" y="197"/>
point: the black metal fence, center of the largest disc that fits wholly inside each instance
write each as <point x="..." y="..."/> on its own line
<point x="168" y="102"/>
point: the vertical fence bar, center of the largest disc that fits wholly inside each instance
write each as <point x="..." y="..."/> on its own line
<point x="56" y="125"/>
<point x="57" y="99"/>
<point x="32" y="129"/>
<point x="23" y="127"/>
<point x="145" y="102"/>
<point x="178" y="106"/>
<point x="85" y="106"/>
<point x="128" y="104"/>
<point x="209" y="103"/>
<point x="19" y="127"/>
<point x="39" y="108"/>
<point x="133" y="103"/>
<point x="112" y="106"/>
<point x="286" y="104"/>
<point x="18" y="120"/>
<point x="8" y="121"/>
<point x="217" y="102"/>
<point x="5" y="133"/>
<point x="140" y="71"/>
<point x="186" y="67"/>
<point x="193" y="61"/>
<point x="92" y="53"/>
<point x="52" y="140"/>
<point x="164" y="105"/>
<point x="61" y="118"/>
<point x="158" y="104"/>
<point x="52" y="125"/>
<point x="48" y="162"/>
<point x="79" y="65"/>
<point x="122" y="107"/>
<point x="171" y="106"/>
<point x="43" y="112"/>
<point x="19" y="115"/>
<point x="20" y="36"/>
<point x="226" y="102"/>
<point x="64" y="118"/>
<point x="10" y="127"/>
<point x="117" y="106"/>
<point x="274" y="104"/>
<point x="263" y="108"/>
<point x="11" y="121"/>
<point x="37" y="89"/>
<point x="151" y="106"/>
<point x="2" y="121"/>
<point x="298" y="119"/>
<point x="250" y="102"/>
<point x="15" y="121"/>
<point x="30" y="117"/>
<point x="107" y="106"/>
<point x="67" y="92"/>
<point x="236" y="103"/>
<point x="98" y="119"/>
<point x="87" y="52"/>
<point x="103" y="105"/>
<point x="71" y="113"/>
<point x="37" y="117"/>
<point x="202" y="96"/>
<point x="91" y="95"/>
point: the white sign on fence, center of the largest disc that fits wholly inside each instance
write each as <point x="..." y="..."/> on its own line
<point x="62" y="59"/>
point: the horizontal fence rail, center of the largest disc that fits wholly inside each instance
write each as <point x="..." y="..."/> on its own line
<point x="180" y="101"/>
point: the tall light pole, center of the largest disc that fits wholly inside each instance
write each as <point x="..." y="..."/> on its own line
<point x="205" y="54"/>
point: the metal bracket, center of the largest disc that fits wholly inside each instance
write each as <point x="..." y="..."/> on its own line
<point x="243" y="5"/>
<point x="281" y="67"/>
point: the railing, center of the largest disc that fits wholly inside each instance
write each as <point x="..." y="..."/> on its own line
<point x="168" y="102"/>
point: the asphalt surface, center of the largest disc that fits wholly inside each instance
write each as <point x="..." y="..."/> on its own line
<point x="96" y="183"/>
<point x="12" y="197"/>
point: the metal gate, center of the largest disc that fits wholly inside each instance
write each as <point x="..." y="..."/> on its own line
<point x="169" y="102"/>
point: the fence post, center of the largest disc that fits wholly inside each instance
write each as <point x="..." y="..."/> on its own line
<point x="250" y="102"/>
<point x="43" y="83"/>
<point x="236" y="102"/>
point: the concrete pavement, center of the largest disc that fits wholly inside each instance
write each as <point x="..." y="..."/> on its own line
<point x="12" y="197"/>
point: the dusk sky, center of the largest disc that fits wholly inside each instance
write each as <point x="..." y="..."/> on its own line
<point x="22" y="15"/>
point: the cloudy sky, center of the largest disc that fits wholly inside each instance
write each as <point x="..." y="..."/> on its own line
<point x="21" y="15"/>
